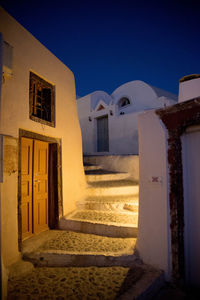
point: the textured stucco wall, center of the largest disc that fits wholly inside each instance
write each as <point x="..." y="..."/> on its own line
<point x="30" y="55"/>
<point x="153" y="235"/>
<point x="123" y="128"/>
<point x="84" y="107"/>
<point x="189" y="89"/>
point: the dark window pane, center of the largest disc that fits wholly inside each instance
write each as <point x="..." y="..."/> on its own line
<point x="41" y="99"/>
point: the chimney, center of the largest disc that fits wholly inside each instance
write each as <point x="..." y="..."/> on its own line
<point x="189" y="87"/>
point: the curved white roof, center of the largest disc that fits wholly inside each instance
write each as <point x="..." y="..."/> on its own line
<point x="151" y="89"/>
<point x="99" y="95"/>
<point x="140" y="94"/>
<point x="161" y="93"/>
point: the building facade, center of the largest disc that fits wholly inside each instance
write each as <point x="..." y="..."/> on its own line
<point x="109" y="122"/>
<point x="169" y="141"/>
<point x="40" y="139"/>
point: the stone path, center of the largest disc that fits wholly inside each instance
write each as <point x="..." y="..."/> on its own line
<point x="77" y="265"/>
<point x="74" y="242"/>
<point x="105" y="217"/>
<point x="71" y="283"/>
<point x="58" y="248"/>
<point x="90" y="283"/>
<point x="110" y="208"/>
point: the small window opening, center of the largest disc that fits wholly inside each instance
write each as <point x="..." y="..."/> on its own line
<point x="42" y="103"/>
<point x="123" y="102"/>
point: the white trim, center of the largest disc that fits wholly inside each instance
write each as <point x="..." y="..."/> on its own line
<point x="101" y="102"/>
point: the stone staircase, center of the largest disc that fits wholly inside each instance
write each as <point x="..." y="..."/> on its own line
<point x="101" y="232"/>
<point x="111" y="206"/>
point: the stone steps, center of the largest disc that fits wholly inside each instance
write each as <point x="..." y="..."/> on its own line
<point x="137" y="282"/>
<point x="111" y="206"/>
<point x="71" y="249"/>
<point x="104" y="175"/>
<point x="94" y="255"/>
<point x="65" y="259"/>
<point x="112" y="224"/>
<point x="109" y="203"/>
<point x="88" y="167"/>
<point x="112" y="187"/>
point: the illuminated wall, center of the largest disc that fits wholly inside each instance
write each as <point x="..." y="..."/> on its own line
<point x="28" y="54"/>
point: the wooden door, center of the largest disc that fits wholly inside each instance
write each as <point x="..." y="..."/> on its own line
<point x="26" y="186"/>
<point x="34" y="186"/>
<point x="102" y="134"/>
<point x="40" y="183"/>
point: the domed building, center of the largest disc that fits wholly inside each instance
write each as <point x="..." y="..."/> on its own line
<point x="109" y="122"/>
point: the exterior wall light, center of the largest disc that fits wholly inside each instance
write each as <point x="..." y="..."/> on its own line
<point x="90" y="119"/>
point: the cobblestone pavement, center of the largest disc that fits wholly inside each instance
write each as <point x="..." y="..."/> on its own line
<point x="113" y="183"/>
<point x="102" y="217"/>
<point x="74" y="242"/>
<point x="91" y="283"/>
<point x="107" y="199"/>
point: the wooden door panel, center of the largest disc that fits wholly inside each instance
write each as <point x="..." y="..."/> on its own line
<point x="40" y="180"/>
<point x="26" y="186"/>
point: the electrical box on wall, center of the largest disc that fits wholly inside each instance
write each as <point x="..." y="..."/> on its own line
<point x="7" y="60"/>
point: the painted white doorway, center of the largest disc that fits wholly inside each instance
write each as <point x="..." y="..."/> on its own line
<point x="191" y="179"/>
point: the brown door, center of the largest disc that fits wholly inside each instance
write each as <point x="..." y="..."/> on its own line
<point x="40" y="183"/>
<point x="34" y="186"/>
<point x="26" y="186"/>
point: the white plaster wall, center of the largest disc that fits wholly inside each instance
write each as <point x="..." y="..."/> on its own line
<point x="189" y="89"/>
<point x="31" y="55"/>
<point x="83" y="106"/>
<point x="123" y="136"/>
<point x="153" y="241"/>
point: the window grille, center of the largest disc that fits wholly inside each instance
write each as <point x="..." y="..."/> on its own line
<point x="41" y="100"/>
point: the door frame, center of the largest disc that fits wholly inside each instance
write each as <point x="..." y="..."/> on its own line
<point x="177" y="119"/>
<point x="59" y="200"/>
<point x="101" y="117"/>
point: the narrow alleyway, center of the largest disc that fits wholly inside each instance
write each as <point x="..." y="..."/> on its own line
<point x="93" y="257"/>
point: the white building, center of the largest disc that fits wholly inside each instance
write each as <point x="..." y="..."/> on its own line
<point x="169" y="223"/>
<point x="109" y="122"/>
<point x="40" y="139"/>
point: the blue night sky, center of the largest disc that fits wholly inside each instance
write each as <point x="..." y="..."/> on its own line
<point x="108" y="43"/>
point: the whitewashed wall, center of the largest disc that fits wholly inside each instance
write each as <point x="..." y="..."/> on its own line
<point x="30" y="55"/>
<point x="153" y="241"/>
<point x="189" y="90"/>
<point x="123" y="136"/>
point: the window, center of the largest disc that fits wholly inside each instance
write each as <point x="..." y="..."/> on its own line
<point x="123" y="102"/>
<point x="41" y="101"/>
